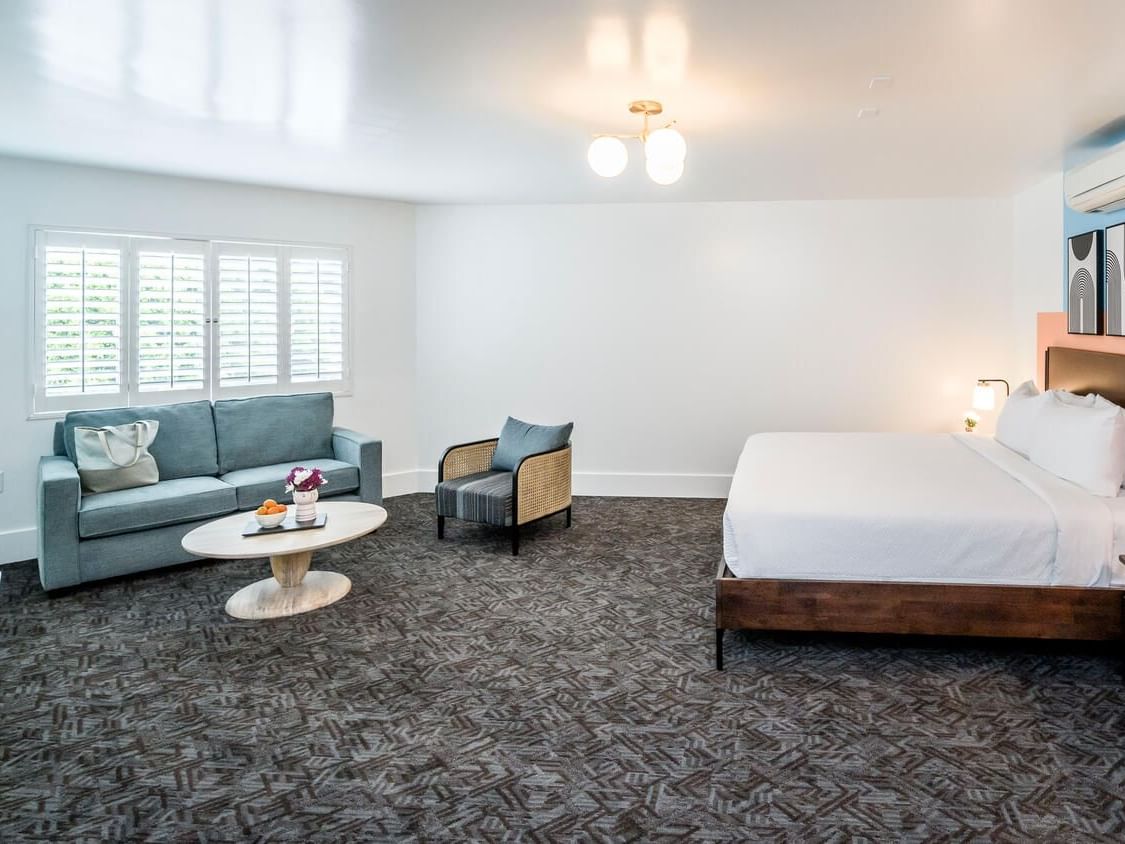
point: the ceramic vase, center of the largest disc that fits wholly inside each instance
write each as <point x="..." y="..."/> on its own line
<point x="306" y="505"/>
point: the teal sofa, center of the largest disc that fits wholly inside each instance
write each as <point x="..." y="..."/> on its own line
<point x="214" y="459"/>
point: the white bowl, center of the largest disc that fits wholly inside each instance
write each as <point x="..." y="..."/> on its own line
<point x="272" y="520"/>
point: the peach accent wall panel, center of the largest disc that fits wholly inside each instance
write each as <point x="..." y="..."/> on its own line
<point x="1051" y="331"/>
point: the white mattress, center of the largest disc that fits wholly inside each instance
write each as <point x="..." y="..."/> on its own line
<point x="951" y="508"/>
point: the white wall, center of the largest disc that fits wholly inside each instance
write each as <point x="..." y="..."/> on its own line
<point x="667" y="332"/>
<point x="670" y="332"/>
<point x="1037" y="266"/>
<point x="381" y="235"/>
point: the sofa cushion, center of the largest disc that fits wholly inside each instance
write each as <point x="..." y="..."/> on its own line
<point x="184" y="446"/>
<point x="261" y="482"/>
<point x="483" y="497"/>
<point x="266" y="430"/>
<point x="522" y="439"/>
<point x="166" y="503"/>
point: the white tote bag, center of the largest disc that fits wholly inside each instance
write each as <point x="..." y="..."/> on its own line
<point x="116" y="457"/>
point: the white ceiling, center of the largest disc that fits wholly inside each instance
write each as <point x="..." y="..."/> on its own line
<point x="496" y="100"/>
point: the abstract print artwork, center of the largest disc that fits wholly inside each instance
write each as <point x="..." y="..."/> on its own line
<point x="1084" y="300"/>
<point x="1114" y="262"/>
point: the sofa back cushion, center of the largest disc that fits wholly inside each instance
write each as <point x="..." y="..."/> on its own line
<point x="59" y="444"/>
<point x="184" y="446"/>
<point x="273" y="429"/>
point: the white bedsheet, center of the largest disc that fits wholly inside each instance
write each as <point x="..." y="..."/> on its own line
<point x="951" y="508"/>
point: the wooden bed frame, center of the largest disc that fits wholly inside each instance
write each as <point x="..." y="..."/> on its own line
<point x="939" y="609"/>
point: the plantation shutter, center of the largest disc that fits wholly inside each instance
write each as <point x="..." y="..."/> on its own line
<point x="126" y="320"/>
<point x="80" y="285"/>
<point x="171" y="315"/>
<point x="317" y="326"/>
<point x="248" y="328"/>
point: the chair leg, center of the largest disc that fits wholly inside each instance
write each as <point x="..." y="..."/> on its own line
<point x="441" y="527"/>
<point x="515" y="540"/>
<point x="568" y="516"/>
<point x="719" y="648"/>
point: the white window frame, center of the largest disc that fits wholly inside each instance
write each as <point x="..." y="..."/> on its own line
<point x="259" y="249"/>
<point x="137" y="396"/>
<point x="325" y="253"/>
<point x="41" y="406"/>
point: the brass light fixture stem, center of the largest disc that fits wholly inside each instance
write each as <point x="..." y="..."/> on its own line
<point x="645" y="132"/>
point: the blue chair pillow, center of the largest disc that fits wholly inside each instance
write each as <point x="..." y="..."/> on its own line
<point x="520" y="439"/>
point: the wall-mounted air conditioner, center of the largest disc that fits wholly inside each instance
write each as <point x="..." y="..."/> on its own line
<point x="1098" y="185"/>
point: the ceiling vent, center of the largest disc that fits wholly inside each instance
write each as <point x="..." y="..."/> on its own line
<point x="1098" y="185"/>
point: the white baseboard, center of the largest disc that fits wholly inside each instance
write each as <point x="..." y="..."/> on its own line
<point x="402" y="483"/>
<point x="628" y="484"/>
<point x="19" y="544"/>
<point x="651" y="485"/>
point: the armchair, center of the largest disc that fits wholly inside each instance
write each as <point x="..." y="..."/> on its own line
<point x="469" y="489"/>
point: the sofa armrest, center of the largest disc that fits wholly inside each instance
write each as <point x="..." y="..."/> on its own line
<point x="366" y="453"/>
<point x="541" y="485"/>
<point x="59" y="494"/>
<point x="466" y="459"/>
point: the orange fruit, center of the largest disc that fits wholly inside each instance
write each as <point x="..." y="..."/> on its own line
<point x="273" y="511"/>
<point x="269" y="502"/>
<point x="263" y="511"/>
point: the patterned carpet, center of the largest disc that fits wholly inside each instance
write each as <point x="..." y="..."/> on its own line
<point x="568" y="694"/>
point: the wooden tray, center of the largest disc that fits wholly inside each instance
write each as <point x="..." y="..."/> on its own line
<point x="290" y="523"/>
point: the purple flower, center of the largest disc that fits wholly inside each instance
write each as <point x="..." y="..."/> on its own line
<point x="301" y="479"/>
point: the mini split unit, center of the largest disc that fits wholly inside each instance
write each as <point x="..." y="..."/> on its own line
<point x="1098" y="185"/>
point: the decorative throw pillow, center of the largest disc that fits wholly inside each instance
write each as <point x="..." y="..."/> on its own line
<point x="1016" y="424"/>
<point x="521" y="439"/>
<point x="116" y="456"/>
<point x="1084" y="445"/>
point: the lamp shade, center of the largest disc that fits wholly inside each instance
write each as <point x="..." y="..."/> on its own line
<point x="664" y="174"/>
<point x="607" y="156"/>
<point x="665" y="148"/>
<point x="984" y="397"/>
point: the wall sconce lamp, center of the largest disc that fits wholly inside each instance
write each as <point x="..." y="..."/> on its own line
<point x="984" y="397"/>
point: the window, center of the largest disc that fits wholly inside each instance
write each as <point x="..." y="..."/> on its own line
<point x="171" y="316"/>
<point x="248" y="315"/>
<point x="316" y="317"/>
<point x="129" y="319"/>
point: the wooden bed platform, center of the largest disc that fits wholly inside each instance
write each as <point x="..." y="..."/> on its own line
<point x="932" y="609"/>
<point x="939" y="609"/>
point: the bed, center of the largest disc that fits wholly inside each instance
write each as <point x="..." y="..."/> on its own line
<point x="931" y="534"/>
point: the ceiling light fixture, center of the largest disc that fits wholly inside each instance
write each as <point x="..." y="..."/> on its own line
<point x="665" y="148"/>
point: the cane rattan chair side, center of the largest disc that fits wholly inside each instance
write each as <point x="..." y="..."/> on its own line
<point x="466" y="459"/>
<point x="542" y="485"/>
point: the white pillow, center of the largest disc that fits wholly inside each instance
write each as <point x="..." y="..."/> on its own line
<point x="1016" y="422"/>
<point x="1015" y="427"/>
<point x="1088" y="400"/>
<point x="1084" y="445"/>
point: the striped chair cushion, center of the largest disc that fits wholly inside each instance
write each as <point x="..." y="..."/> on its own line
<point x="483" y="497"/>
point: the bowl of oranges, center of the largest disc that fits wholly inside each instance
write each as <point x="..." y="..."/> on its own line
<point x="270" y="514"/>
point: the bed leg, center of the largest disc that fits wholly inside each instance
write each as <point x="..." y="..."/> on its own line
<point x="719" y="648"/>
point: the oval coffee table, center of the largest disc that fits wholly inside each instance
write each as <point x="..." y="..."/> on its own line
<point x="293" y="588"/>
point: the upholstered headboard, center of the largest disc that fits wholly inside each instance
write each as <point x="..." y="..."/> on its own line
<point x="1081" y="371"/>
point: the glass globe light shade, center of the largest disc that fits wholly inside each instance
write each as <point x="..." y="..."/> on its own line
<point x="607" y="156"/>
<point x="665" y="146"/>
<point x="984" y="398"/>
<point x="664" y="173"/>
